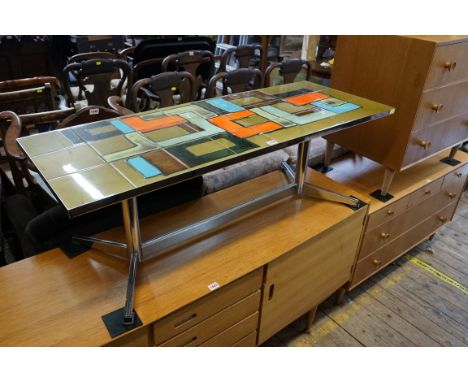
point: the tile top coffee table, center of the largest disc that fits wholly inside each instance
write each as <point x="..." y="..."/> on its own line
<point x="94" y="165"/>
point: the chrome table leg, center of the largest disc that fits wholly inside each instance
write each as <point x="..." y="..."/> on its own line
<point x="301" y="165"/>
<point x="134" y="245"/>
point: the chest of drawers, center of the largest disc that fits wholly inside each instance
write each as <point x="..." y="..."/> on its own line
<point x="426" y="197"/>
<point x="424" y="77"/>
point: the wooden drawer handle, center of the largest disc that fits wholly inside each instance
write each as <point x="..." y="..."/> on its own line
<point x="437" y="107"/>
<point x="385" y="235"/>
<point x="376" y="262"/>
<point x="390" y="212"/>
<point x="443" y="219"/>
<point x="451" y="195"/>
<point x="458" y="174"/>
<point x="425" y="144"/>
<point x="450" y="65"/>
<point x="427" y="192"/>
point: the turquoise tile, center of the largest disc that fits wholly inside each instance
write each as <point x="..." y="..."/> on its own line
<point x="144" y="167"/>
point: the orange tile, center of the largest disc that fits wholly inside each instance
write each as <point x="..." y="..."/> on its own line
<point x="153" y="124"/>
<point x="225" y="123"/>
<point x="244" y="132"/>
<point x="303" y="99"/>
<point x="267" y="126"/>
<point x="240" y="114"/>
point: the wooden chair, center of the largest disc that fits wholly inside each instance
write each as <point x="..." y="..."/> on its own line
<point x="146" y="68"/>
<point x="244" y="56"/>
<point x="127" y="54"/>
<point x="29" y="95"/>
<point x="162" y="90"/>
<point x="288" y="69"/>
<point x="237" y="81"/>
<point x="94" y="79"/>
<point x="13" y="126"/>
<point x="199" y="63"/>
<point x="91" y="56"/>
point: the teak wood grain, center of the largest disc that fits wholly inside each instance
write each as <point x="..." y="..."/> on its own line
<point x="299" y="281"/>
<point x="424" y="78"/>
<point x="61" y="301"/>
<point x="364" y="176"/>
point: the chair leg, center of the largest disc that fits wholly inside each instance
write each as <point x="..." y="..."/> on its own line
<point x="310" y="319"/>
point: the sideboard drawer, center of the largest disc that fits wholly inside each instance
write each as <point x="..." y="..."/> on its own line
<point x="216" y="324"/>
<point x="388" y="213"/>
<point x="200" y="310"/>
<point x="450" y="64"/>
<point x="235" y="333"/>
<point x="425" y="192"/>
<point x="248" y="341"/>
<point x="435" y="138"/>
<point x="388" y="253"/>
<point x="454" y="182"/>
<point x="391" y="230"/>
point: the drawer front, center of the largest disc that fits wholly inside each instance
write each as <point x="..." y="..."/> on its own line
<point x="379" y="259"/>
<point x="248" y="341"/>
<point x="425" y="192"/>
<point x="200" y="310"/>
<point x="450" y="64"/>
<point x="436" y="138"/>
<point x="235" y="333"/>
<point x="390" y="231"/>
<point x="454" y="182"/>
<point x="440" y="104"/>
<point x="387" y="213"/>
<point x="216" y="324"/>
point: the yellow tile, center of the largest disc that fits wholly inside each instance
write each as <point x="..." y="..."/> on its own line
<point x="210" y="147"/>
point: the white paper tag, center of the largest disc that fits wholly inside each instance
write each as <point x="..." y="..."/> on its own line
<point x="94" y="111"/>
<point x="272" y="142"/>
<point x="191" y="53"/>
<point x="213" y="286"/>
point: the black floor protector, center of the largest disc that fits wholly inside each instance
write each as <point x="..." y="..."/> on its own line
<point x="114" y="322"/>
<point x="450" y="161"/>
<point x="320" y="167"/>
<point x="359" y="205"/>
<point x="72" y="248"/>
<point x="378" y="195"/>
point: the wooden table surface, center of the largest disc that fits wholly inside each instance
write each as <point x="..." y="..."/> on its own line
<point x="50" y="299"/>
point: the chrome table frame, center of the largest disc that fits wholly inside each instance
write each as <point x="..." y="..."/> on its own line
<point x="139" y="251"/>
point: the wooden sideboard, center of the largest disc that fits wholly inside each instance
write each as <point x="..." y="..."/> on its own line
<point x="426" y="197"/>
<point x="424" y="77"/>
<point x="236" y="286"/>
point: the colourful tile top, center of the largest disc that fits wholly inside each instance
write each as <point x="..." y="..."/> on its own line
<point x="93" y="165"/>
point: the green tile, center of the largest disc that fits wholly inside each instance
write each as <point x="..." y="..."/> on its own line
<point x="81" y="188"/>
<point x="67" y="161"/>
<point x="44" y="143"/>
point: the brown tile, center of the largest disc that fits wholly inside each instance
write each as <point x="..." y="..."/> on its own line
<point x="165" y="162"/>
